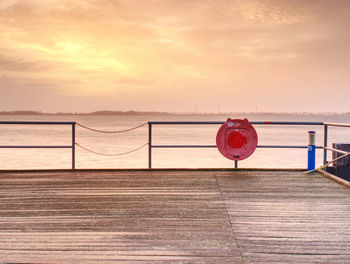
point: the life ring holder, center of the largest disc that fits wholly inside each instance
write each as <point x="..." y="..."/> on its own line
<point x="236" y="139"/>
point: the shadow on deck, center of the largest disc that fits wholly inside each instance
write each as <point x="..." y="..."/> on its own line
<point x="173" y="216"/>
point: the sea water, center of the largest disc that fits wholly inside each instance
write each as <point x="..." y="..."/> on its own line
<point x="162" y="134"/>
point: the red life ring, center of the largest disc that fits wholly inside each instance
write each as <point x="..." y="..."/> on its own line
<point x="236" y="139"/>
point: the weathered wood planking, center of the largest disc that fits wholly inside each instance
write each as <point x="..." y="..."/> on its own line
<point x="173" y="217"/>
<point x="288" y="217"/>
<point x="114" y="217"/>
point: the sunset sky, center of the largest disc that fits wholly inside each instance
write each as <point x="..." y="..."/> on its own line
<point x="175" y="55"/>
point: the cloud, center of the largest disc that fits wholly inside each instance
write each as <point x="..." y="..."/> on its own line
<point x="15" y="64"/>
<point x="153" y="48"/>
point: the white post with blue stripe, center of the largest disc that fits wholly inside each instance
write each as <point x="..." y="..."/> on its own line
<point x="311" y="151"/>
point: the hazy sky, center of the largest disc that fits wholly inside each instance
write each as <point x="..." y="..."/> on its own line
<point x="175" y="55"/>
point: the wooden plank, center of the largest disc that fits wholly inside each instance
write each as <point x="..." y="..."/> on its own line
<point x="288" y="217"/>
<point x="173" y="217"/>
<point x="119" y="217"/>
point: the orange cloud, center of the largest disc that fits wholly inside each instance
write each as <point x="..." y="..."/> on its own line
<point x="150" y="51"/>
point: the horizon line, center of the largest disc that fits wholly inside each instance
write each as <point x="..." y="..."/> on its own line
<point x="136" y="112"/>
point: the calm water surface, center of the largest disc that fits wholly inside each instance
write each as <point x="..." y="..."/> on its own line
<point x="162" y="158"/>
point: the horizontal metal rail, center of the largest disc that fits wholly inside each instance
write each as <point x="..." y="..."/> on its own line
<point x="72" y="146"/>
<point x="286" y="146"/>
<point x="214" y="146"/>
<point x="35" y="123"/>
<point x="336" y="124"/>
<point x="40" y="146"/>
<point x="337" y="150"/>
<point x="184" y="146"/>
<point x="289" y="123"/>
<point x="221" y="122"/>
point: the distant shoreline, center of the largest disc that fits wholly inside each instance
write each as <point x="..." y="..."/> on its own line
<point x="133" y="113"/>
<point x="89" y="113"/>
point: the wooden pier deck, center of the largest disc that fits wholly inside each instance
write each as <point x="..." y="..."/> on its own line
<point x="173" y="216"/>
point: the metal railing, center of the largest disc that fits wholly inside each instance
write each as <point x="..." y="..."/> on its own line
<point x="153" y="123"/>
<point x="325" y="144"/>
<point x="326" y="148"/>
<point x="72" y="146"/>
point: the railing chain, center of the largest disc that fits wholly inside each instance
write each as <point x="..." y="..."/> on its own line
<point x="111" y="132"/>
<point x="111" y="155"/>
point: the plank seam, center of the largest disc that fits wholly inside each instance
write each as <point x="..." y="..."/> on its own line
<point x="229" y="219"/>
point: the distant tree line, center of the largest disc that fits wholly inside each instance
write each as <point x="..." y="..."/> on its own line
<point x="107" y="112"/>
<point x="19" y="112"/>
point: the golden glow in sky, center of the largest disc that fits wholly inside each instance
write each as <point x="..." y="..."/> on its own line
<point x="88" y="55"/>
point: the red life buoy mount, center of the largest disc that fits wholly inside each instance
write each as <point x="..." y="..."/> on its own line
<point x="236" y="139"/>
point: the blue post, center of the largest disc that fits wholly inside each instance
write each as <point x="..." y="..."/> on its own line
<point x="311" y="152"/>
